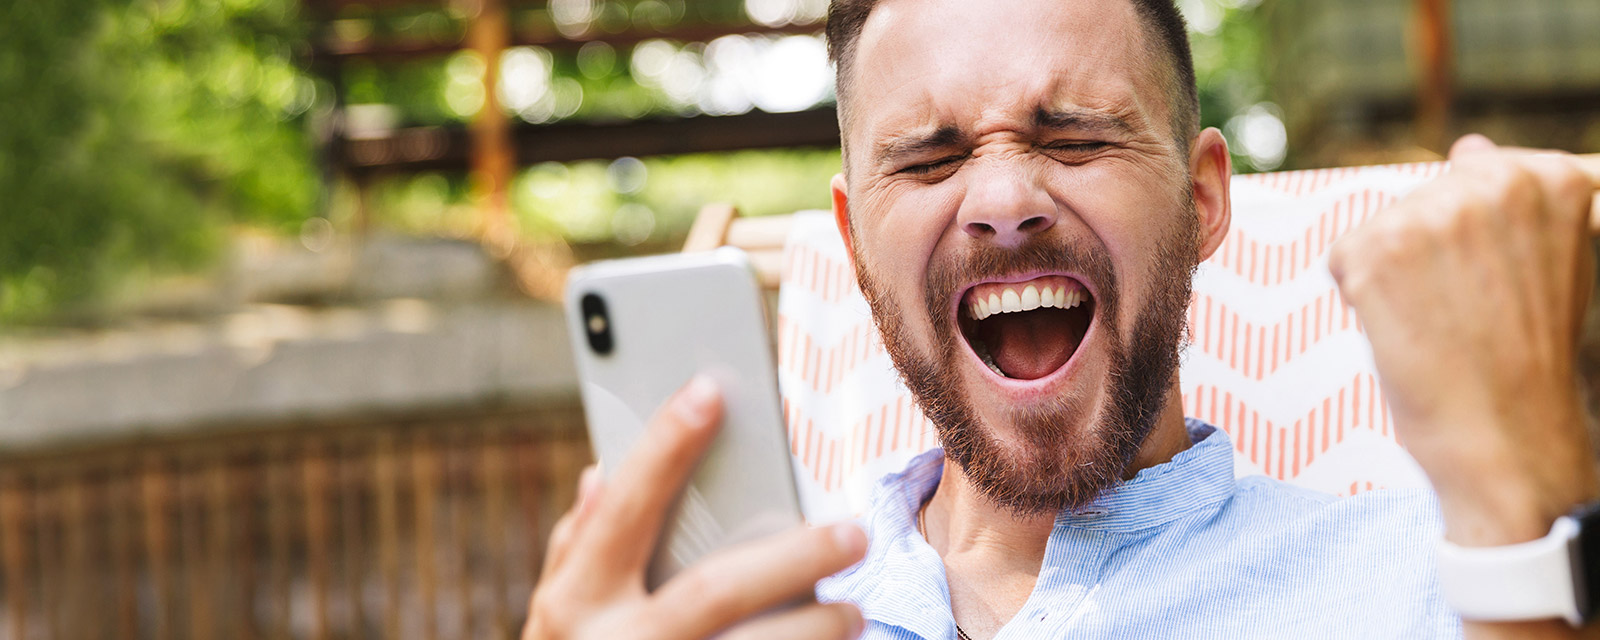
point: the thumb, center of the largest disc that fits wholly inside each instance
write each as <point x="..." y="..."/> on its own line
<point x="1470" y="144"/>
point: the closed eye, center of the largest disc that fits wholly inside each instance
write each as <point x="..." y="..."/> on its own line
<point x="1077" y="146"/>
<point x="928" y="168"/>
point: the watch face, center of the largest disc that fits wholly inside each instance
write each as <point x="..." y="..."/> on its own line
<point x="1586" y="558"/>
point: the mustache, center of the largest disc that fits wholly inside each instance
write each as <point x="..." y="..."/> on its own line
<point x="946" y="278"/>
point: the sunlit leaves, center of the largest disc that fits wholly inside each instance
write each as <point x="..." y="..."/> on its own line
<point x="137" y="130"/>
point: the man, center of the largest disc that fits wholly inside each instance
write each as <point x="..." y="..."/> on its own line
<point x="1025" y="194"/>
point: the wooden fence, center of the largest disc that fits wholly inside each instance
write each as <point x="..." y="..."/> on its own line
<point x="428" y="529"/>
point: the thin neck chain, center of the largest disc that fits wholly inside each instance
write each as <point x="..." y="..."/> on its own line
<point x="923" y="529"/>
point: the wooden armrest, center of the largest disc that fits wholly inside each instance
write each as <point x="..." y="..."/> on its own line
<point x="719" y="225"/>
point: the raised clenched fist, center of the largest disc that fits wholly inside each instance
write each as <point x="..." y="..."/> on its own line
<point x="1472" y="290"/>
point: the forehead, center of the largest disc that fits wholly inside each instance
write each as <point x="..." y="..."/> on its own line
<point x="970" y="63"/>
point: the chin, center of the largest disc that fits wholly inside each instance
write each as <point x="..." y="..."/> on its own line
<point x="1068" y="403"/>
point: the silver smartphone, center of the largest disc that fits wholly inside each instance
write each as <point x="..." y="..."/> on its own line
<point x="641" y="328"/>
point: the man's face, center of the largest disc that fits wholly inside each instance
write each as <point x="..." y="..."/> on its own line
<point x="1023" y="227"/>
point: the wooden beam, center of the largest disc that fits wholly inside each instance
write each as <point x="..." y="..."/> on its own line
<point x="1436" y="61"/>
<point x="401" y="49"/>
<point x="493" y="159"/>
<point x="447" y="149"/>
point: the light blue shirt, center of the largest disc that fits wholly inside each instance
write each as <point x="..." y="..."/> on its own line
<point x="1183" y="550"/>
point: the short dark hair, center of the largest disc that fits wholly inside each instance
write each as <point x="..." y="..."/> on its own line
<point x="1163" y="24"/>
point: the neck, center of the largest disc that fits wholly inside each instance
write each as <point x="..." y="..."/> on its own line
<point x="992" y="555"/>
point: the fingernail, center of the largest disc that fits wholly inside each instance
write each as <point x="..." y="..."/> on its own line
<point x="850" y="538"/>
<point x="697" y="403"/>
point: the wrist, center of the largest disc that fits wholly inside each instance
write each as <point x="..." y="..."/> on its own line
<point x="1510" y="487"/>
<point x="1504" y="514"/>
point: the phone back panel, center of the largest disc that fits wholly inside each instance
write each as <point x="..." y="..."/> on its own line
<point x="671" y="317"/>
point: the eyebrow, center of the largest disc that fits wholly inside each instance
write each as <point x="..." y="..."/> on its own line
<point x="941" y="137"/>
<point x="1080" y="119"/>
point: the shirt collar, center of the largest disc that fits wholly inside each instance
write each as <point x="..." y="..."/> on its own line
<point x="901" y="581"/>
<point x="1200" y="477"/>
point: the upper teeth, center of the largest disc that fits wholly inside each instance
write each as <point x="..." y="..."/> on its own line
<point x="1025" y="297"/>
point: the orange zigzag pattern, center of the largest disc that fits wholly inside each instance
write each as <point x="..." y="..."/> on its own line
<point x="830" y="459"/>
<point x="1302" y="183"/>
<point x="1266" y="264"/>
<point x="1257" y="351"/>
<point x="823" y="367"/>
<point x="1281" y="451"/>
<point x="812" y="270"/>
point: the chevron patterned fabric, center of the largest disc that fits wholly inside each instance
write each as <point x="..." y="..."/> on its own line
<point x="1275" y="358"/>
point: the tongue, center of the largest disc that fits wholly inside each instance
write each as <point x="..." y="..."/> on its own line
<point x="1031" y="344"/>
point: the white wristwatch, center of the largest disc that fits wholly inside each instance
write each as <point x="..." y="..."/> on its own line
<point x="1546" y="578"/>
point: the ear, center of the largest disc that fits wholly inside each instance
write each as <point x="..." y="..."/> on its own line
<point x="1211" y="169"/>
<point x="841" y="215"/>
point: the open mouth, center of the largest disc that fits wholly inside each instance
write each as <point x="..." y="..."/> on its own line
<point x="1026" y="330"/>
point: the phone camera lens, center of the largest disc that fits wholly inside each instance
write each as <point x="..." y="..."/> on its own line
<point x="596" y="323"/>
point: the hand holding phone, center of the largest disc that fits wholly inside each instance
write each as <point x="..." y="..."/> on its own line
<point x="593" y="582"/>
<point x="695" y="529"/>
<point x="640" y="328"/>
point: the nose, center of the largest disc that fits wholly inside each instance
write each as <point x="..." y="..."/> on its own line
<point x="1006" y="206"/>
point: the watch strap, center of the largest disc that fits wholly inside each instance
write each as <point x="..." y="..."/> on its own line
<point x="1526" y="581"/>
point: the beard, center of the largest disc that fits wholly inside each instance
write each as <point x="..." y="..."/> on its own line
<point x="1064" y="457"/>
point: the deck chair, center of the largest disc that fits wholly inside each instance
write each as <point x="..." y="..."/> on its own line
<point x="1276" y="358"/>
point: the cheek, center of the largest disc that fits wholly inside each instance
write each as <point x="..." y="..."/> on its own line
<point x="904" y="225"/>
<point x="1132" y="215"/>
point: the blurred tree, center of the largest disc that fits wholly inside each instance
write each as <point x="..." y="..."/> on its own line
<point x="134" y="131"/>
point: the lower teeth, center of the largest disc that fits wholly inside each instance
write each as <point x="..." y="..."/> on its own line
<point x="988" y="358"/>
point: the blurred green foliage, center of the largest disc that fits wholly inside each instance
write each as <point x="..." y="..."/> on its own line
<point x="138" y="132"/>
<point x="135" y="130"/>
<point x="628" y="200"/>
<point x="1227" y="41"/>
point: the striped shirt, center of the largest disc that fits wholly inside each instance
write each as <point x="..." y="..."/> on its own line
<point x="1183" y="550"/>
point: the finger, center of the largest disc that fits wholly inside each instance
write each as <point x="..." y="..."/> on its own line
<point x="1472" y="143"/>
<point x="1590" y="164"/>
<point x="835" y="621"/>
<point x="750" y="578"/>
<point x="567" y="528"/>
<point x="1594" y="215"/>
<point x="627" y="519"/>
<point x="1478" y="144"/>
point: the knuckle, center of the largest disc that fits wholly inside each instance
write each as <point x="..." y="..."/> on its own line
<point x="840" y="544"/>
<point x="677" y="433"/>
<point x="1399" y="238"/>
<point x="1572" y="185"/>
<point x="1343" y="255"/>
<point x="1451" y="223"/>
